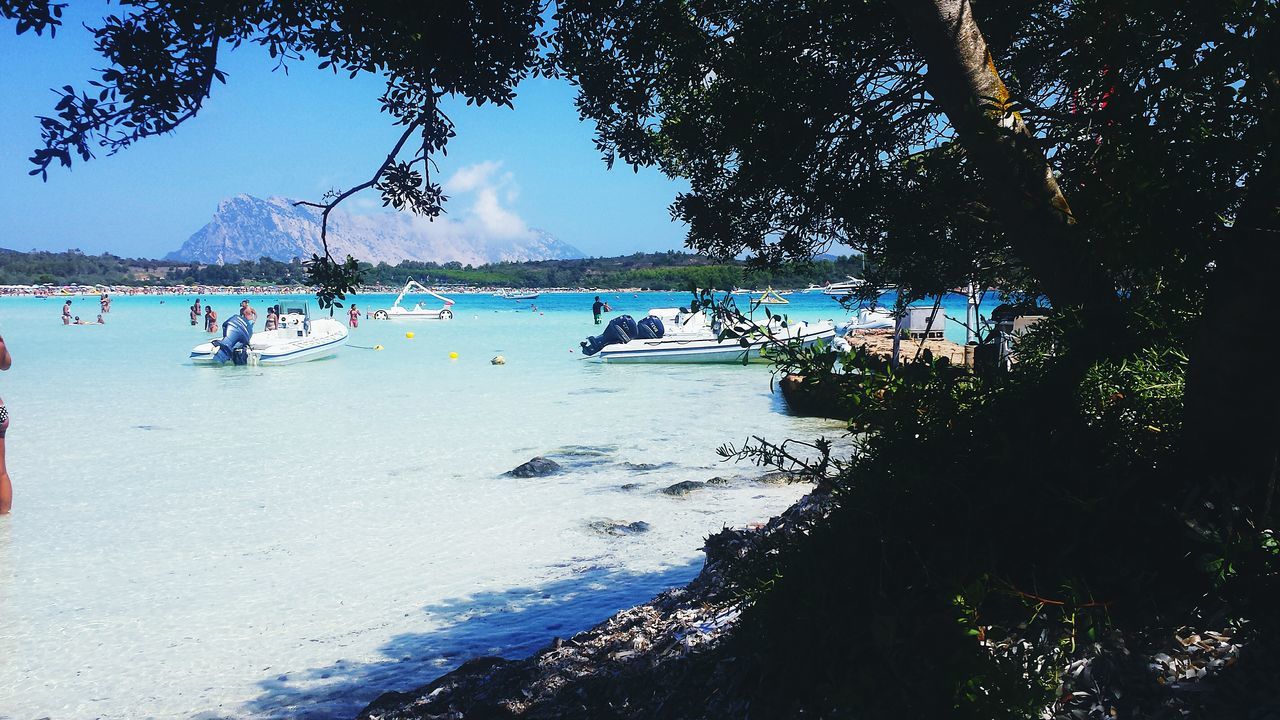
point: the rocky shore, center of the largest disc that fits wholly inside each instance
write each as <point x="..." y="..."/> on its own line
<point x="673" y="657"/>
<point x="642" y="662"/>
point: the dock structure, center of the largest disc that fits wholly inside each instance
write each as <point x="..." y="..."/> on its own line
<point x="824" y="396"/>
<point x="880" y="343"/>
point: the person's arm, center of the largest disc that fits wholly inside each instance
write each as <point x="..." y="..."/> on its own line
<point x="6" y="360"/>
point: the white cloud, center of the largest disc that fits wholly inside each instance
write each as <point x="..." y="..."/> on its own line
<point x="479" y="199"/>
<point x="478" y="215"/>
<point x="469" y="177"/>
<point x="495" y="219"/>
<point x="364" y="204"/>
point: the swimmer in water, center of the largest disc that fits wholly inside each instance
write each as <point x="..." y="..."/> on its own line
<point x="6" y="488"/>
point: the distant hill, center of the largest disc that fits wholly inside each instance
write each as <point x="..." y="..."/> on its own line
<point x="247" y="228"/>
<point x="655" y="271"/>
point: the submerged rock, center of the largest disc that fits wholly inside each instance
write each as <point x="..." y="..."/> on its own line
<point x="717" y="480"/>
<point x="537" y="467"/>
<point x="643" y="467"/>
<point x="683" y="488"/>
<point x="584" y="450"/>
<point x="631" y="486"/>
<point x="581" y="457"/>
<point x="618" y="527"/>
<point x="777" y="477"/>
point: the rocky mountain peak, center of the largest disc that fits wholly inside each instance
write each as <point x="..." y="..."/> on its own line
<point x="246" y="227"/>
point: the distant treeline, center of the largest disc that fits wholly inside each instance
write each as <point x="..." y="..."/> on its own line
<point x="654" y="271"/>
<point x="73" y="266"/>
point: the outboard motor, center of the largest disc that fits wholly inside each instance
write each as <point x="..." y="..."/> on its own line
<point x="619" y="331"/>
<point x="650" y="328"/>
<point x="234" y="345"/>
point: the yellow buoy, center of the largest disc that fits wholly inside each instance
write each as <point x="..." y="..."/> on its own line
<point x="377" y="347"/>
<point x="453" y="356"/>
<point x="409" y="335"/>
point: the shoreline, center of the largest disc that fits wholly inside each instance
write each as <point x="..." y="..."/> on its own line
<point x="676" y="656"/>
<point x="68" y="291"/>
<point x="634" y="659"/>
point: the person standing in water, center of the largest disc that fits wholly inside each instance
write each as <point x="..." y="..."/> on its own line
<point x="247" y="312"/>
<point x="354" y="316"/>
<point x="66" y="313"/>
<point x="6" y="487"/>
<point x="273" y="318"/>
<point x="596" y="309"/>
<point x="210" y="319"/>
<point x="195" y="312"/>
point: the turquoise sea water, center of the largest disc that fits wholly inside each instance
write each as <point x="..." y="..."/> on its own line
<point x="210" y="542"/>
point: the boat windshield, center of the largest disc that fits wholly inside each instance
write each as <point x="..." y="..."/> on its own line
<point x="292" y="307"/>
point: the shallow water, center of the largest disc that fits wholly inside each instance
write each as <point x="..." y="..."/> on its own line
<point x="294" y="541"/>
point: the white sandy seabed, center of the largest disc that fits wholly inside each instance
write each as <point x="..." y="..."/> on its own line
<point x="294" y="541"/>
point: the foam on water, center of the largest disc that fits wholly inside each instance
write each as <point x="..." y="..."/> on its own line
<point x="294" y="541"/>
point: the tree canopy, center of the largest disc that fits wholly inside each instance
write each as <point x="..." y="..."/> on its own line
<point x="1115" y="159"/>
<point x="163" y="64"/>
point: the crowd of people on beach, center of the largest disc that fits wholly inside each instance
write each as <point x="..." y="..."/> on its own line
<point x="44" y="291"/>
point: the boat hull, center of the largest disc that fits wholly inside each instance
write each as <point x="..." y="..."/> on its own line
<point x="289" y="352"/>
<point x="702" y="351"/>
<point x="443" y="314"/>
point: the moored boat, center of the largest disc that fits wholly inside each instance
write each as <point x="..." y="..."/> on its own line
<point x="843" y="288"/>
<point x="418" y="311"/>
<point x="868" y="319"/>
<point x="693" y="338"/>
<point x="298" y="339"/>
<point x="518" y="294"/>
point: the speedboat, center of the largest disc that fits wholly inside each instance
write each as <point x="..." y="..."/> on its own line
<point x="298" y="339"/>
<point x="869" y="319"/>
<point x="843" y="288"/>
<point x="687" y="337"/>
<point x="518" y="294"/>
<point x="418" y="311"/>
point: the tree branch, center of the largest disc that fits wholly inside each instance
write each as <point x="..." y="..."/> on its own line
<point x="329" y="206"/>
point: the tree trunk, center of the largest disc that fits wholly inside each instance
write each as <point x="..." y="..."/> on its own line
<point x="1232" y="401"/>
<point x="962" y="77"/>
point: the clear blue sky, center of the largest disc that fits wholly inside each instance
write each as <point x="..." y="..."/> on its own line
<point x="266" y="133"/>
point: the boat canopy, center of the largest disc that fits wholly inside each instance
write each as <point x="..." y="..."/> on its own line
<point x="293" y="306"/>
<point x="415" y="285"/>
